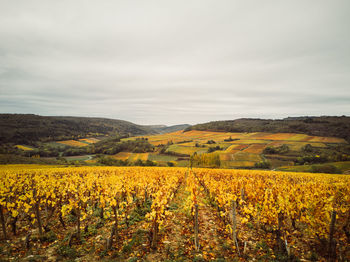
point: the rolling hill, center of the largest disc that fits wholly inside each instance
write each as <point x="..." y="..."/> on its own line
<point x="246" y="150"/>
<point x="328" y="126"/>
<point x="162" y="129"/>
<point x="24" y="128"/>
<point x="27" y="128"/>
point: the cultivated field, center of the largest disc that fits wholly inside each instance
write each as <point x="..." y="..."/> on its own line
<point x="73" y="143"/>
<point x="89" y="140"/>
<point x="239" y="149"/>
<point x="25" y="148"/>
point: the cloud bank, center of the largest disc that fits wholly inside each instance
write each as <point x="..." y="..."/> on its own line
<point x="172" y="62"/>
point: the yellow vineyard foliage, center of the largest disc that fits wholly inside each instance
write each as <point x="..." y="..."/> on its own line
<point x="295" y="203"/>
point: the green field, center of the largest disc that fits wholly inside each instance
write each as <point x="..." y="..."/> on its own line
<point x="55" y="145"/>
<point x="341" y="166"/>
<point x="161" y="158"/>
<point x="297" y="146"/>
<point x="79" y="158"/>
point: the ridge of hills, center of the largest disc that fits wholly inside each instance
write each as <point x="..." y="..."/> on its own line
<point x="327" y="126"/>
<point x="27" y="128"/>
<point x="319" y="144"/>
<point x="170" y="129"/>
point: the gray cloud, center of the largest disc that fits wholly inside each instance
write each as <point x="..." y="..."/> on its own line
<point x="173" y="62"/>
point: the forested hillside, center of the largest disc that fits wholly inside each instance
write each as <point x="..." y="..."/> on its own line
<point x="169" y="129"/>
<point x="24" y="128"/>
<point x="330" y="126"/>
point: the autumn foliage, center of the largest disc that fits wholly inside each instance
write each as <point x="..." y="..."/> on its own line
<point x="298" y="210"/>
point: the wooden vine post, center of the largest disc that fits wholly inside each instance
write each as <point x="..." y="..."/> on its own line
<point x="115" y="210"/>
<point x="146" y="196"/>
<point x="332" y="244"/>
<point x="155" y="233"/>
<point x="78" y="222"/>
<point x="114" y="231"/>
<point x="196" y="228"/>
<point x="234" y="225"/>
<point x="242" y="194"/>
<point x="60" y="217"/>
<point x="37" y="211"/>
<point x="13" y="225"/>
<point x="27" y="240"/>
<point x="101" y="212"/>
<point x="282" y="247"/>
<point x="3" y="225"/>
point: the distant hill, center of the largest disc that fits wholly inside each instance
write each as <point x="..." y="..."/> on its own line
<point x="329" y="126"/>
<point x="169" y="129"/>
<point x="24" y="128"/>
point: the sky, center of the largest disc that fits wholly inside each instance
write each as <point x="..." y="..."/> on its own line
<point x="174" y="62"/>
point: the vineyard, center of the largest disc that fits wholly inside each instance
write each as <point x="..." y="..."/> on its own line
<point x="260" y="150"/>
<point x="172" y="214"/>
<point x="244" y="150"/>
<point x="242" y="138"/>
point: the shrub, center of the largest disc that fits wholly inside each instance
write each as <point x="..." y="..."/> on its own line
<point x="269" y="150"/>
<point x="329" y="169"/>
<point x="212" y="149"/>
<point x="307" y="148"/>
<point x="263" y="165"/>
<point x="276" y="150"/>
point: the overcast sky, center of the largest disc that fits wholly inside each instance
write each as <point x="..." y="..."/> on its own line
<point x="172" y="62"/>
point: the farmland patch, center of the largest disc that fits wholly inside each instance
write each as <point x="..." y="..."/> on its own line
<point x="25" y="148"/>
<point x="255" y="148"/>
<point x="73" y="143"/>
<point x="122" y="155"/>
